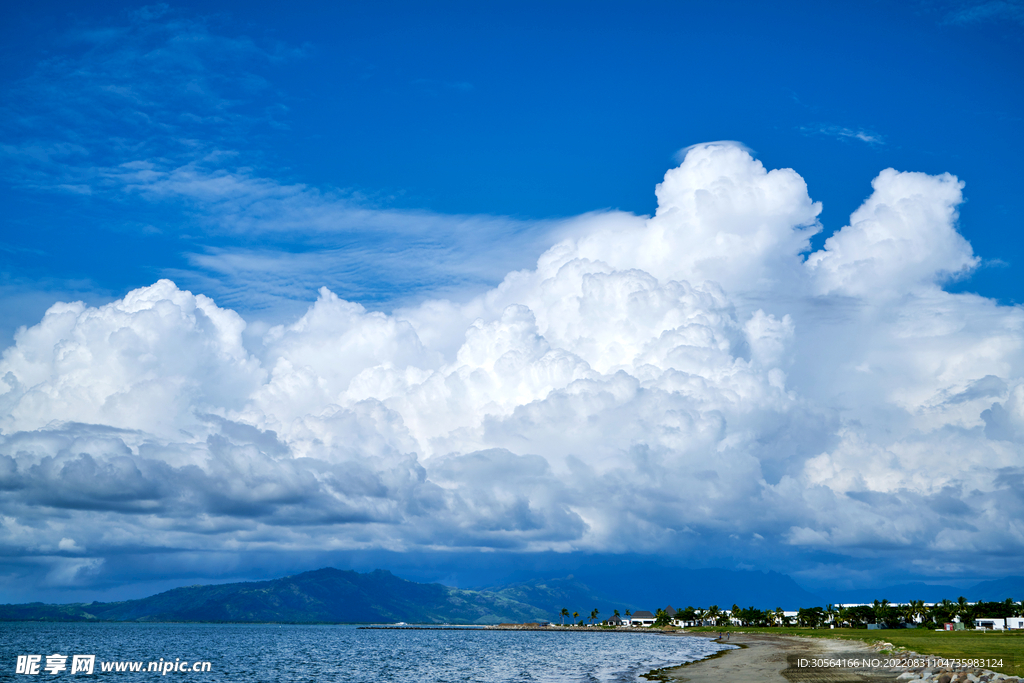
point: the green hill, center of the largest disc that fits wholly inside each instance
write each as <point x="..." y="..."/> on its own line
<point x="325" y="595"/>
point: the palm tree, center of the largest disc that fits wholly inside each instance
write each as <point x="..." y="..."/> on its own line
<point x="882" y="612"/>
<point x="946" y="608"/>
<point x="780" y="616"/>
<point x="562" y="615"/>
<point x="593" y="616"/>
<point x="701" y="615"/>
<point x="911" y="610"/>
<point x="963" y="610"/>
<point x="575" y="616"/>
<point x="714" y="614"/>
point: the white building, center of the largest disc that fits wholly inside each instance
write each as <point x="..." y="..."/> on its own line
<point x="641" y="617"/>
<point x="994" y="624"/>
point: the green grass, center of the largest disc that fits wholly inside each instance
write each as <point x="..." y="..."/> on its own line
<point x="1005" y="645"/>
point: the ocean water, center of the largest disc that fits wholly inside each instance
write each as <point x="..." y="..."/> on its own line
<point x="294" y="653"/>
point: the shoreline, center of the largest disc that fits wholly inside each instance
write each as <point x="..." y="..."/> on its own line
<point x="544" y="629"/>
<point x="770" y="658"/>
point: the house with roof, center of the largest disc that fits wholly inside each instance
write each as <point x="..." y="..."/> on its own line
<point x="675" y="616"/>
<point x="641" y="617"/>
<point x="614" y="620"/>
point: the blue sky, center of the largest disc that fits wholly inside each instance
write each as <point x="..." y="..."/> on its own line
<point x="436" y="167"/>
<point x="512" y="110"/>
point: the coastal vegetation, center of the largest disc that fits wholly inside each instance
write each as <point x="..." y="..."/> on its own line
<point x="880" y="614"/>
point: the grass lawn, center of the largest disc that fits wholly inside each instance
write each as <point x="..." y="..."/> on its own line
<point x="1005" y="645"/>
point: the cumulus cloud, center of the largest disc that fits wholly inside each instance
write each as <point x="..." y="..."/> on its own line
<point x="671" y="383"/>
<point x="145" y="362"/>
<point x="904" y="236"/>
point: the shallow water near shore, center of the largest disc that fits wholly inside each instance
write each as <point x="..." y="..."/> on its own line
<point x="275" y="652"/>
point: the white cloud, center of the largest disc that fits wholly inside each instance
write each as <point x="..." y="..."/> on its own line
<point x="147" y="362"/>
<point x="654" y="384"/>
<point x="902" y="238"/>
<point x="721" y="216"/>
<point x="307" y="237"/>
<point x="844" y="133"/>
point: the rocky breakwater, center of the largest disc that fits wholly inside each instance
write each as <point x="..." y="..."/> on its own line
<point x="933" y="669"/>
<point x="945" y="675"/>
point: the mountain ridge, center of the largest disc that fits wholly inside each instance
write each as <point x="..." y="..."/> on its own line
<point x="326" y="595"/>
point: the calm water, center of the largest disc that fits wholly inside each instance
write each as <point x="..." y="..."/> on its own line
<point x="261" y="652"/>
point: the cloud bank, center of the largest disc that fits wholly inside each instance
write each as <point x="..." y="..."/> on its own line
<point x="691" y="383"/>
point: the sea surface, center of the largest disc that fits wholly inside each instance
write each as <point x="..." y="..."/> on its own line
<point x="299" y="653"/>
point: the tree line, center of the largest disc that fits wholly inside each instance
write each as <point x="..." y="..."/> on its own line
<point x="880" y="612"/>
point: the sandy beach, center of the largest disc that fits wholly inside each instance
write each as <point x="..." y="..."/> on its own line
<point x="767" y="658"/>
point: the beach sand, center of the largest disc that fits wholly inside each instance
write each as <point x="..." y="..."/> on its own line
<point x="767" y="658"/>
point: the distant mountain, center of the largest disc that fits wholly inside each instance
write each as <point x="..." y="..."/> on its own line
<point x="552" y="595"/>
<point x="903" y="592"/>
<point x="635" y="585"/>
<point x="324" y="595"/>
<point x="997" y="590"/>
<point x="987" y="591"/>
<point x="650" y="587"/>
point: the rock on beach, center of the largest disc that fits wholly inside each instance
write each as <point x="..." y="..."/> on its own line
<point x="938" y="674"/>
